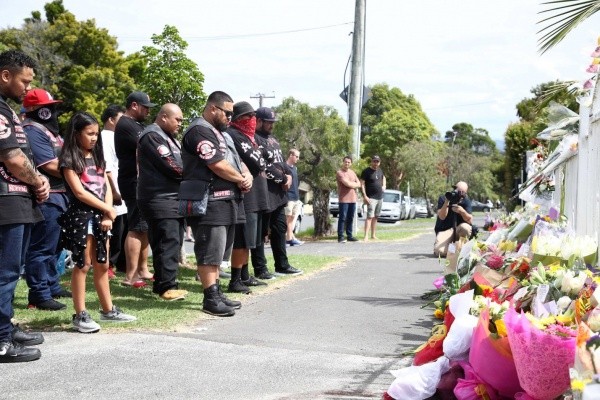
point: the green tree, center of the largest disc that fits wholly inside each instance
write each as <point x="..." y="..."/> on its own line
<point x="170" y="76"/>
<point x="421" y="159"/>
<point x="323" y="138"/>
<point x="465" y="136"/>
<point x="517" y="140"/>
<point x="77" y="62"/>
<point x="391" y="120"/>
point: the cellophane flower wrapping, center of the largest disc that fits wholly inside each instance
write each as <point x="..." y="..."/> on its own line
<point x="458" y="341"/>
<point x="493" y="360"/>
<point x="418" y="382"/>
<point x="542" y="359"/>
<point x="472" y="387"/>
<point x="433" y="348"/>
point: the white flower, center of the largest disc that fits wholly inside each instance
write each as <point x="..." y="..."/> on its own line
<point x="572" y="284"/>
<point x="563" y="303"/>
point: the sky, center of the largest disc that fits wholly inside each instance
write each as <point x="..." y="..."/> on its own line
<point x="463" y="60"/>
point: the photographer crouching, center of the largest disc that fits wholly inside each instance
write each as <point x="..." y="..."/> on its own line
<point x="453" y="219"/>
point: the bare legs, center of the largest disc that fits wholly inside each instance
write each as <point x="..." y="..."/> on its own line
<point x="136" y="252"/>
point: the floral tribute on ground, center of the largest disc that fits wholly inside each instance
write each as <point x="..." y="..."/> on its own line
<point x="520" y="317"/>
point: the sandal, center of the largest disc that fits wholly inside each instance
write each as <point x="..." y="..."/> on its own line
<point x="137" y="284"/>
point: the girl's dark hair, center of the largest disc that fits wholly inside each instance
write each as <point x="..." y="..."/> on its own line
<point x="71" y="155"/>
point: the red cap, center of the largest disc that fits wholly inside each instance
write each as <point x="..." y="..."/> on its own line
<point x="38" y="97"/>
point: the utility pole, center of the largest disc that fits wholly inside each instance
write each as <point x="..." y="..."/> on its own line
<point x="355" y="97"/>
<point x="260" y="97"/>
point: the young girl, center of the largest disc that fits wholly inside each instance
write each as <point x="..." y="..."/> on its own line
<point x="87" y="221"/>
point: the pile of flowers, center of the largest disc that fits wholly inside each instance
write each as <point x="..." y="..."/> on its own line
<point x="521" y="318"/>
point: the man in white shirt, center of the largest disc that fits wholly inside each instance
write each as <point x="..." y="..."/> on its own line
<point x="109" y="118"/>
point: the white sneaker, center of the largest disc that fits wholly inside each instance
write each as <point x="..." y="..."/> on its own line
<point x="116" y="315"/>
<point x="83" y="323"/>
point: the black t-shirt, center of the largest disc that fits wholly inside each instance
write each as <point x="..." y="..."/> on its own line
<point x="211" y="149"/>
<point x="14" y="209"/>
<point x="373" y="182"/>
<point x="448" y="223"/>
<point x="126" y="136"/>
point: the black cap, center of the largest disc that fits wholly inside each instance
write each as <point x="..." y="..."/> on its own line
<point x="241" y="108"/>
<point x="139" y="97"/>
<point x="375" y="158"/>
<point x="266" y="114"/>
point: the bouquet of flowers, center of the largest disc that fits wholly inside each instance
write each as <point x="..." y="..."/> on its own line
<point x="543" y="352"/>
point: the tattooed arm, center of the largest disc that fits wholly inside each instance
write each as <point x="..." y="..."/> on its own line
<point x="20" y="167"/>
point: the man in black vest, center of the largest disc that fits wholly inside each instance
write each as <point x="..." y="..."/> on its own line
<point x="211" y="165"/>
<point x="20" y="187"/>
<point x="279" y="180"/>
<point x="160" y="172"/>
<point x="42" y="130"/>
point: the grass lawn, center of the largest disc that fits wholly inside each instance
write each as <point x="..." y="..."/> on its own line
<point x="385" y="231"/>
<point x="155" y="314"/>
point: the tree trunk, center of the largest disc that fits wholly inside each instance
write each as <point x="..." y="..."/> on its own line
<point x="321" y="212"/>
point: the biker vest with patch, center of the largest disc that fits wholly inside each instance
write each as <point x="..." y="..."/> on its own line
<point x="57" y="185"/>
<point x="220" y="189"/>
<point x="10" y="185"/>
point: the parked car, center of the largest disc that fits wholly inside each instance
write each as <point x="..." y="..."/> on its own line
<point x="421" y="210"/>
<point x="298" y="224"/>
<point x="392" y="208"/>
<point x="410" y="212"/>
<point x="334" y="207"/>
<point x="479" y="206"/>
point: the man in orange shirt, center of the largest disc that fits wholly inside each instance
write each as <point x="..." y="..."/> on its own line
<point x="347" y="183"/>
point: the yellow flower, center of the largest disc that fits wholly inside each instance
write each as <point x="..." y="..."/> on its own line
<point x="565" y="319"/>
<point x="439" y="314"/>
<point x="501" y="328"/>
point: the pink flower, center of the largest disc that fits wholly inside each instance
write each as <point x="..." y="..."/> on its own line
<point x="439" y="282"/>
<point x="592" y="68"/>
<point x="495" y="261"/>
<point x="588" y="84"/>
<point x="596" y="53"/>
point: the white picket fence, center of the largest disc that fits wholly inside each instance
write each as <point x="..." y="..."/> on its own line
<point x="580" y="200"/>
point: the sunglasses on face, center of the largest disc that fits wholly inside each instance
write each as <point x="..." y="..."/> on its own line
<point x="228" y="114"/>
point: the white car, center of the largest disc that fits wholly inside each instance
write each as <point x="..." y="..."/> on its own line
<point x="392" y="208"/>
<point x="334" y="206"/>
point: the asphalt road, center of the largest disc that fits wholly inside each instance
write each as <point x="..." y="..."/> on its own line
<point x="334" y="334"/>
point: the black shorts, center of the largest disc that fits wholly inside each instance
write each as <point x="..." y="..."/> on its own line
<point x="249" y="234"/>
<point x="212" y="243"/>
<point x="135" y="220"/>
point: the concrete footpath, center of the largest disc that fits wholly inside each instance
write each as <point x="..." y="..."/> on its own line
<point x="332" y="335"/>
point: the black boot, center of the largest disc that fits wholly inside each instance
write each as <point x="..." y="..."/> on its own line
<point x="236" y="286"/>
<point x="231" y="303"/>
<point x="213" y="305"/>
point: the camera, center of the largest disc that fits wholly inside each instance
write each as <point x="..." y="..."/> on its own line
<point x="454" y="196"/>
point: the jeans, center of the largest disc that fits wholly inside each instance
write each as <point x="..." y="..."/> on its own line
<point x="14" y="239"/>
<point x="346" y="217"/>
<point x="165" y="236"/>
<point x="42" y="255"/>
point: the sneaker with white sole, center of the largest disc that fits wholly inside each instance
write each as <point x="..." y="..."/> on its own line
<point x="116" y="315"/>
<point x="82" y="322"/>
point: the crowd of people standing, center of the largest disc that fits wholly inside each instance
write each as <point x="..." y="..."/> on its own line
<point x="109" y="196"/>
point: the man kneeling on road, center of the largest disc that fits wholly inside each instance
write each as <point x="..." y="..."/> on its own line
<point x="454" y="219"/>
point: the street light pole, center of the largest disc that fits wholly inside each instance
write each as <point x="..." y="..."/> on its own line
<point x="355" y="94"/>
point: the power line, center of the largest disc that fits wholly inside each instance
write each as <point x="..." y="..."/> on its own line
<point x="461" y="105"/>
<point x="241" y="36"/>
